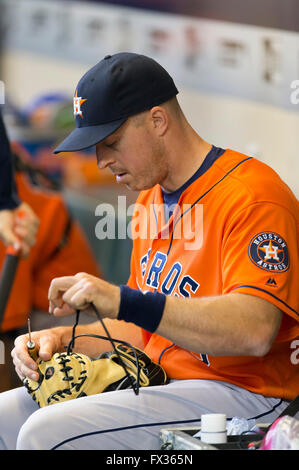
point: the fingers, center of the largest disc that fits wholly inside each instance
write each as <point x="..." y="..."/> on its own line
<point x="68" y="294"/>
<point x="56" y="291"/>
<point x="19" y="227"/>
<point x="79" y="295"/>
<point x="25" y="232"/>
<point x="24" y="211"/>
<point x="46" y="341"/>
<point x="64" y="311"/>
<point x="6" y="228"/>
<point x="26" y="225"/>
<point x="71" y="293"/>
<point x="45" y="348"/>
<point x="25" y="366"/>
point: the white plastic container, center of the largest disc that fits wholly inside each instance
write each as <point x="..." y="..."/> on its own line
<point x="213" y="428"/>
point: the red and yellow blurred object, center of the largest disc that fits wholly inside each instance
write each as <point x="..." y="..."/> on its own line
<point x="61" y="249"/>
<point x="76" y="169"/>
<point x="81" y="169"/>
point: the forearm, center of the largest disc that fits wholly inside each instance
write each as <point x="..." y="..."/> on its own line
<point x="233" y="324"/>
<point x="92" y="347"/>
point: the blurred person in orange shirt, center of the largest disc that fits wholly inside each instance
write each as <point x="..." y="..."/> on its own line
<point x="37" y="223"/>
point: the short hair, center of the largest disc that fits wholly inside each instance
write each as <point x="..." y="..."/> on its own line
<point x="172" y="105"/>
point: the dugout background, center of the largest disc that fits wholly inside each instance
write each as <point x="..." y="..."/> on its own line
<point x="236" y="66"/>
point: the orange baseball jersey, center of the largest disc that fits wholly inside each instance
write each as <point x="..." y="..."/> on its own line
<point x="235" y="229"/>
<point x="61" y="248"/>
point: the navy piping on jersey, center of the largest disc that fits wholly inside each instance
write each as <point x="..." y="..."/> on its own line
<point x="269" y="293"/>
<point x="172" y="198"/>
<point x="253" y="287"/>
<point x="203" y="195"/>
<point x="132" y="304"/>
<point x="167" y="423"/>
<point x="210" y="189"/>
<point x="168" y="347"/>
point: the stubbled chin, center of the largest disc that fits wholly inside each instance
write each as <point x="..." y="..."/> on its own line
<point x="132" y="184"/>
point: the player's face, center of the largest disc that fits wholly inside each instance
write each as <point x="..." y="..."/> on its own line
<point x="134" y="155"/>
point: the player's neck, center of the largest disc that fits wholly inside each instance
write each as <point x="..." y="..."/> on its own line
<point x="186" y="154"/>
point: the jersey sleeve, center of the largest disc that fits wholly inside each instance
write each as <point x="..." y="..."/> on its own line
<point x="8" y="193"/>
<point x="260" y="256"/>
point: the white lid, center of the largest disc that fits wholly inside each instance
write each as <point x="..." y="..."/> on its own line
<point x="295" y="443"/>
<point x="213" y="422"/>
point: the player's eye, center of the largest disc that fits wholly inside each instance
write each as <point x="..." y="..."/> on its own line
<point x="112" y="144"/>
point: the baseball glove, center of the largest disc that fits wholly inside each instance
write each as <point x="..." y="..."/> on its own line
<point x="68" y="376"/>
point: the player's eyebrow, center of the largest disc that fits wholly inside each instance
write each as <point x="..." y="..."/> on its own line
<point x="115" y="136"/>
<point x="110" y="139"/>
<point x="111" y="142"/>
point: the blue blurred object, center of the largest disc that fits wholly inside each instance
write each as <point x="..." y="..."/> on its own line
<point x="12" y="113"/>
<point x="51" y="111"/>
<point x="39" y="126"/>
<point x="48" y="98"/>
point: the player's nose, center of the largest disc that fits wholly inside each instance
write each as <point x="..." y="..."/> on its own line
<point x="104" y="157"/>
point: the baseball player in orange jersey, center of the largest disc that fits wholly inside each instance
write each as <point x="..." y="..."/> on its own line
<point x="16" y="231"/>
<point x="213" y="291"/>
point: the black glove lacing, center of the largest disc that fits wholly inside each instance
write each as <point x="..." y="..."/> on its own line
<point x="134" y="385"/>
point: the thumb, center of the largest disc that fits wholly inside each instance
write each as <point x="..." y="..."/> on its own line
<point x="9" y="238"/>
<point x="46" y="348"/>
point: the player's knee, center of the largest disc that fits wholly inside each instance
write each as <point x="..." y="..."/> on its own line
<point x="35" y="434"/>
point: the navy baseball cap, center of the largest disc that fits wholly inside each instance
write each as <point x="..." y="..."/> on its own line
<point x="116" y="88"/>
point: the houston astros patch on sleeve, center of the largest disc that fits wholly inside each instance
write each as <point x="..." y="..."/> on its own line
<point x="269" y="251"/>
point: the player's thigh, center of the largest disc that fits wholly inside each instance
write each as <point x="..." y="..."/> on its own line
<point x="112" y="420"/>
<point x="15" y="408"/>
<point x="122" y="420"/>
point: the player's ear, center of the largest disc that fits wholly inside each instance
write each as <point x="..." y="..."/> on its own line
<point x="159" y="119"/>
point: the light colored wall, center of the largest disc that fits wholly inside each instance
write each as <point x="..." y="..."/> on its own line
<point x="26" y="75"/>
<point x="269" y="132"/>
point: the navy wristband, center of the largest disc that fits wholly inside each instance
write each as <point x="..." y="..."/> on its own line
<point x="144" y="310"/>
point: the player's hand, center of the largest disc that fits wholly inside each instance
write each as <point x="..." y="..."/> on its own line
<point x="70" y="293"/>
<point x="19" y="227"/>
<point x="47" y="342"/>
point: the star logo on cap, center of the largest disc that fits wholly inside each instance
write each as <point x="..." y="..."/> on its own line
<point x="77" y="104"/>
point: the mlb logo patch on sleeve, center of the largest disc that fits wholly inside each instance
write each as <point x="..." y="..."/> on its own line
<point x="269" y="251"/>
